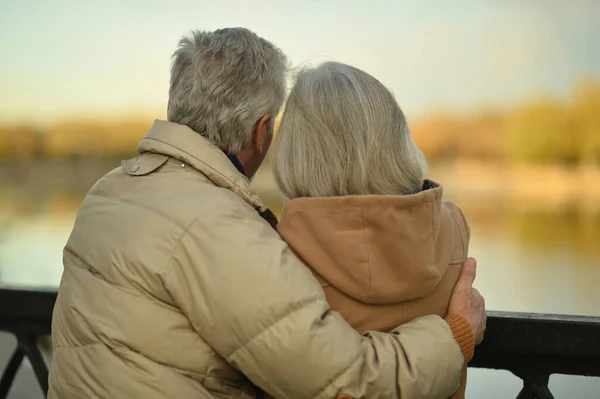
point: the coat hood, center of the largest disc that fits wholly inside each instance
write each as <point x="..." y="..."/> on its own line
<point x="376" y="249"/>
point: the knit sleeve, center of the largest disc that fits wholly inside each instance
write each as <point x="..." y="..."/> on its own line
<point x="462" y="334"/>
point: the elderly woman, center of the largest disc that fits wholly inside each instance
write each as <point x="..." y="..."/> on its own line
<point x="376" y="234"/>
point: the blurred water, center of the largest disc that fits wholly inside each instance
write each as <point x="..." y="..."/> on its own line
<point x="528" y="261"/>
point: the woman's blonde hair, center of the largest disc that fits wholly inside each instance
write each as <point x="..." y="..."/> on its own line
<point x="342" y="133"/>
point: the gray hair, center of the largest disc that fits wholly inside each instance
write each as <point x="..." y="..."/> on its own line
<point x="342" y="133"/>
<point x="223" y="82"/>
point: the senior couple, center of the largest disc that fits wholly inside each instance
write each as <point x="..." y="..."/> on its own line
<point x="179" y="283"/>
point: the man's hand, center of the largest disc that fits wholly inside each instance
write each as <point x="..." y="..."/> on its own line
<point x="467" y="302"/>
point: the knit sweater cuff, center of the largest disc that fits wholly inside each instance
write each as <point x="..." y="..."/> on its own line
<point x="462" y="334"/>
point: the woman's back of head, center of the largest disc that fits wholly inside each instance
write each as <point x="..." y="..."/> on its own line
<point x="342" y="133"/>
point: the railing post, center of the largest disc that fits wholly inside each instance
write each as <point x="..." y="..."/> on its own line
<point x="535" y="384"/>
<point x="11" y="370"/>
<point x="30" y="345"/>
<point x="27" y="346"/>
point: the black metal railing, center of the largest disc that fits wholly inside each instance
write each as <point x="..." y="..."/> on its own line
<point x="531" y="346"/>
<point x="26" y="314"/>
<point x="534" y="346"/>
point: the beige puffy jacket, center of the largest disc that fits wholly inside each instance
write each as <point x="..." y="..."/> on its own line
<point x="175" y="287"/>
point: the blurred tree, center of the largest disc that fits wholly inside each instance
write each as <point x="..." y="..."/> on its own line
<point x="438" y="136"/>
<point x="543" y="133"/>
<point x="585" y="109"/>
<point x="448" y="137"/>
<point x="102" y="139"/>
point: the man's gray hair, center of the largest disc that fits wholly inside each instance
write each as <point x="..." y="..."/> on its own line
<point x="342" y="133"/>
<point x="223" y="82"/>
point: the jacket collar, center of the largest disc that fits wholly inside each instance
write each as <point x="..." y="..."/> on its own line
<point x="236" y="162"/>
<point x="182" y="143"/>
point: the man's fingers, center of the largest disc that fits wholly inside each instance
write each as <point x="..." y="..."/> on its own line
<point x="470" y="268"/>
<point x="467" y="275"/>
<point x="479" y="297"/>
<point x="479" y="300"/>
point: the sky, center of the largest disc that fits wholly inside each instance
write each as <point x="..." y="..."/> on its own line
<point x="72" y="58"/>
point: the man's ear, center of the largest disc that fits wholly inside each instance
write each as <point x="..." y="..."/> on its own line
<point x="260" y="133"/>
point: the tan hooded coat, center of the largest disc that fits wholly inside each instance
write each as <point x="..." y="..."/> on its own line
<point x="382" y="260"/>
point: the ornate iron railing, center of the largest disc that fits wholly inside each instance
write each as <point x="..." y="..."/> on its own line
<point x="531" y="346"/>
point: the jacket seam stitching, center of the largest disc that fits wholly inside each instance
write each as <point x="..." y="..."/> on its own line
<point x="460" y="233"/>
<point x="131" y="203"/>
<point x="87" y="268"/>
<point x="177" y="244"/>
<point x="362" y="221"/>
<point x="121" y="347"/>
<point x="397" y="362"/>
<point x="333" y="382"/>
<point x="135" y="290"/>
<point x="301" y="306"/>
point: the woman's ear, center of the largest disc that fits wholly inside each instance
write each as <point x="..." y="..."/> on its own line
<point x="261" y="132"/>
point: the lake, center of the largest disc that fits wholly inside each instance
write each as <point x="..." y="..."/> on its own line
<point x="537" y="257"/>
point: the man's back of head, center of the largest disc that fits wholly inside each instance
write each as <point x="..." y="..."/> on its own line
<point x="223" y="82"/>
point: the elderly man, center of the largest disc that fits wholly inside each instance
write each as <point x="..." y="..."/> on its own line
<point x="176" y="285"/>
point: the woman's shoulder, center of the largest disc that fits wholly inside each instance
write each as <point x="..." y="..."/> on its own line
<point x="459" y="225"/>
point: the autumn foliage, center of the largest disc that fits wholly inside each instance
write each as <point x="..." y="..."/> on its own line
<point x="542" y="132"/>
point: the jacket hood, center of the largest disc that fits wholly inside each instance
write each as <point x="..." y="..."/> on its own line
<point x="375" y="249"/>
